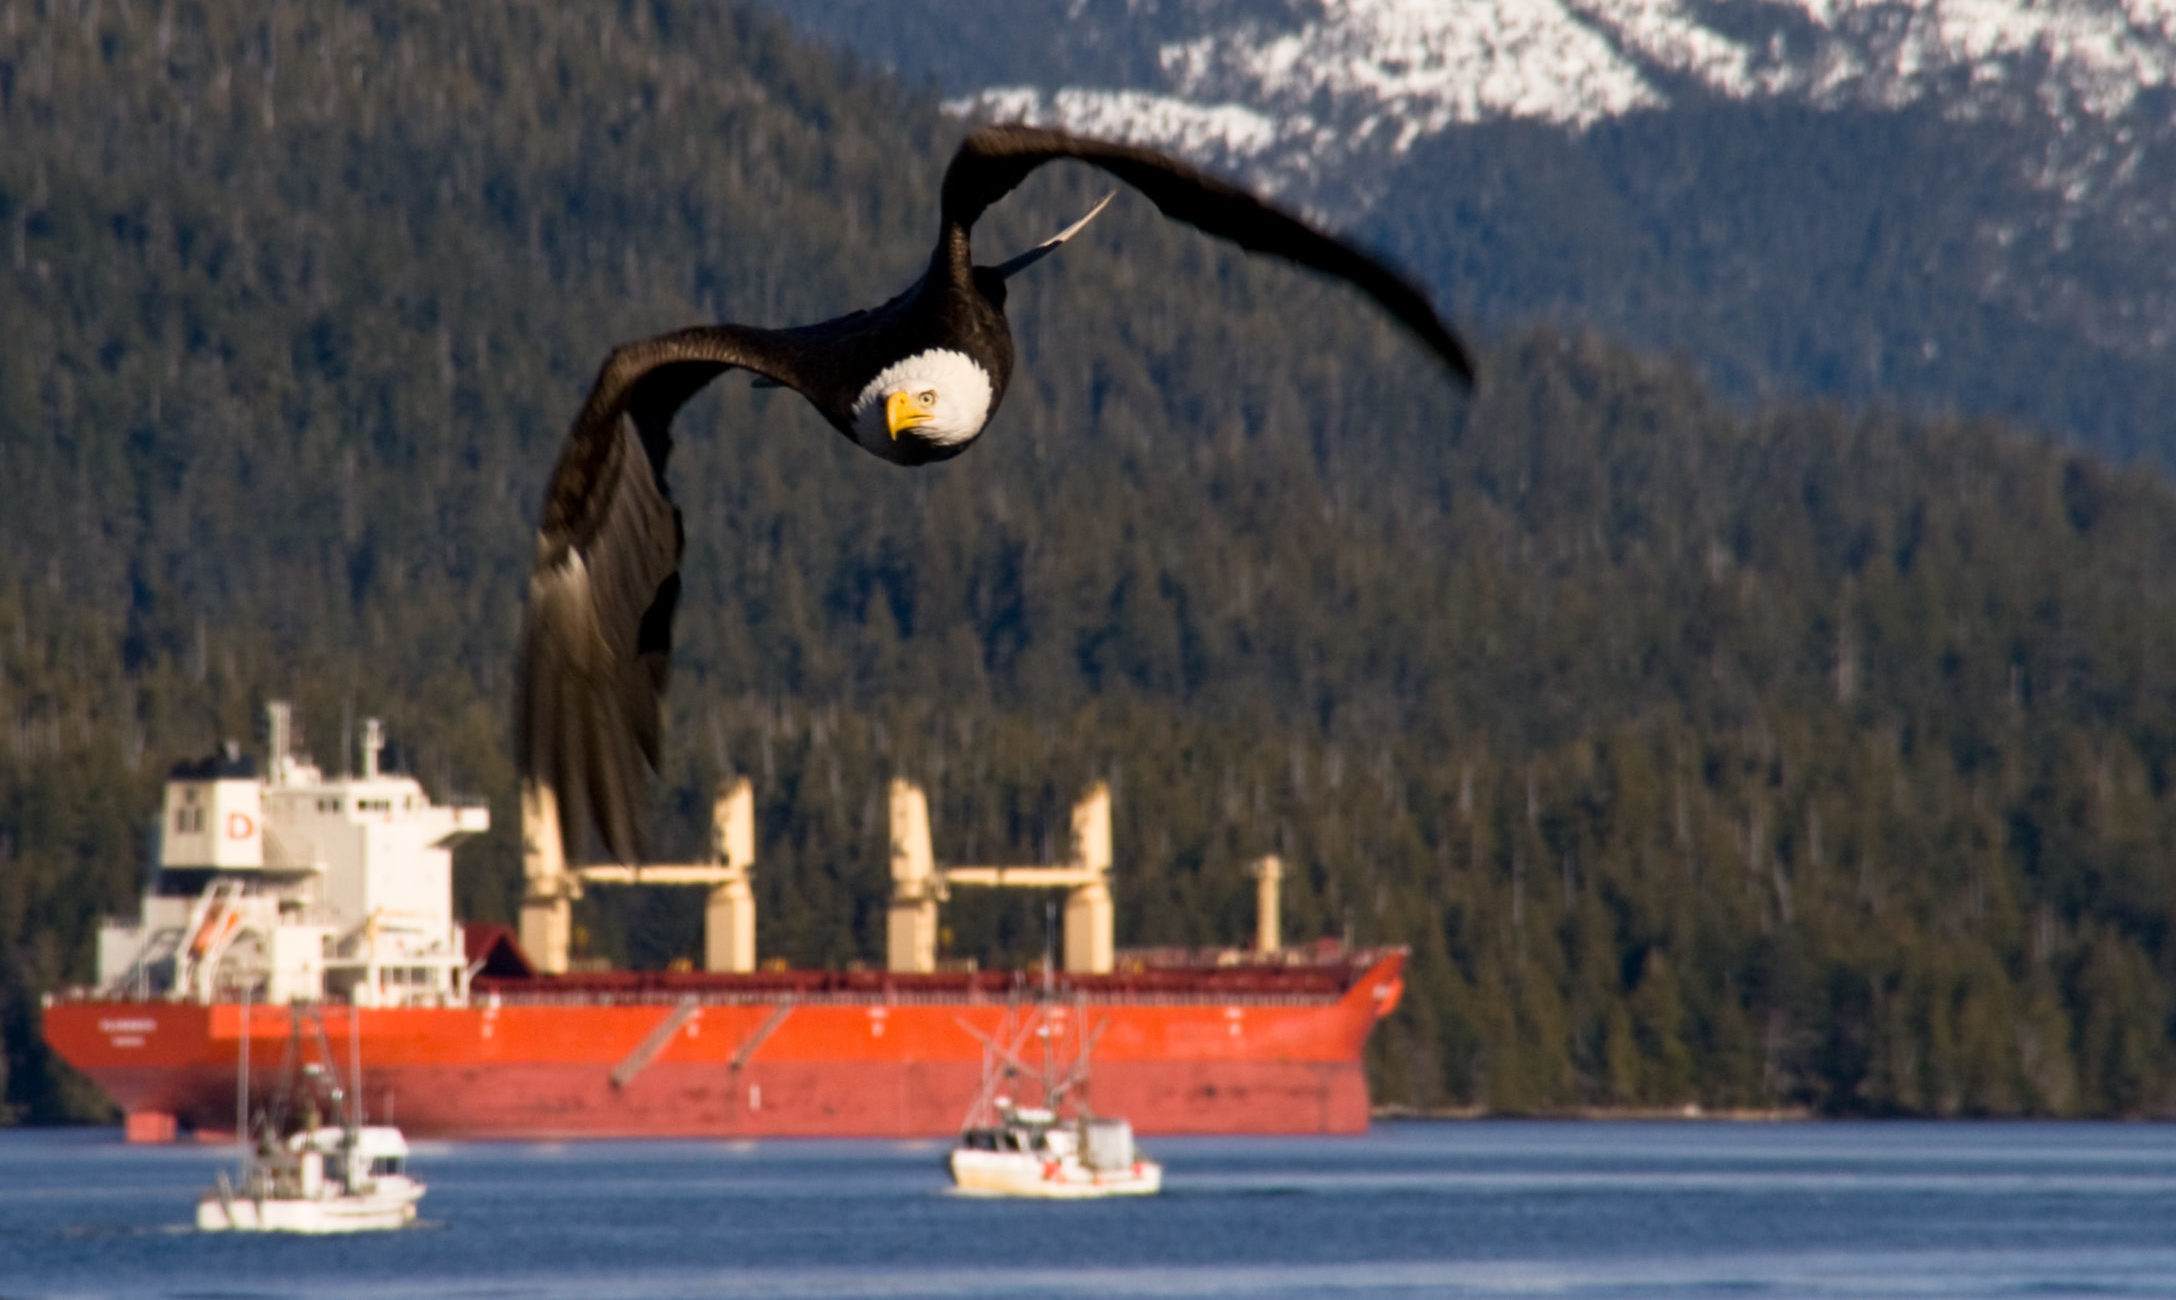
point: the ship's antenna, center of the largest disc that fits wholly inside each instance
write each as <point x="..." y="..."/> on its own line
<point x="242" y="1141"/>
<point x="355" y="1059"/>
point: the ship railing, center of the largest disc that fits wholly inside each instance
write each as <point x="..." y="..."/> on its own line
<point x="771" y="997"/>
<point x="160" y="945"/>
<point x="962" y="997"/>
<point x="322" y="914"/>
<point x="1321" y="952"/>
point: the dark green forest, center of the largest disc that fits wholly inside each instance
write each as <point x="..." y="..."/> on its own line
<point x="1748" y="756"/>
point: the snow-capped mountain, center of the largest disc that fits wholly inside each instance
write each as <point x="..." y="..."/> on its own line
<point x="1292" y="94"/>
<point x="1967" y="204"/>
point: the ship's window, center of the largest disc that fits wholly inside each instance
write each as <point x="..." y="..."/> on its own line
<point x="384" y="1166"/>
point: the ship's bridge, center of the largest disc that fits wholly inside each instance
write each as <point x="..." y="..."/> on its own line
<point x="298" y="886"/>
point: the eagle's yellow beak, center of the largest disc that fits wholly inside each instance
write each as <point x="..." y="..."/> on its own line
<point x="902" y="411"/>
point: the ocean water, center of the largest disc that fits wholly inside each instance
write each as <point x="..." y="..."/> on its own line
<point x="1460" y="1209"/>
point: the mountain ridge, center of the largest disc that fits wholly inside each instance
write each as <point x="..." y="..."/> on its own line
<point x="1367" y="77"/>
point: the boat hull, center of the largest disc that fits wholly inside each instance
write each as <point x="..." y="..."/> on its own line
<point x="995" y="1173"/>
<point x="311" y="1216"/>
<point x="546" y="1060"/>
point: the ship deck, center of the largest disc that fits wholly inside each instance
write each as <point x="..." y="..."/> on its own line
<point x="1251" y="985"/>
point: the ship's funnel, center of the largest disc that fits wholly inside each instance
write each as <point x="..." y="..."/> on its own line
<point x="279" y="721"/>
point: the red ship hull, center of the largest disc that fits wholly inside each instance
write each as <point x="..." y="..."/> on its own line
<point x="1249" y="1050"/>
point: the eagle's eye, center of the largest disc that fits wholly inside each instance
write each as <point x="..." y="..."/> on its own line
<point x="927" y="397"/>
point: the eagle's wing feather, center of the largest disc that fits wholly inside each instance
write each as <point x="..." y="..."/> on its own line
<point x="596" y="637"/>
<point x="995" y="159"/>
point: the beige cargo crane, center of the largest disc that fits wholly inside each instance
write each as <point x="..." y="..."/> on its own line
<point x="729" y="917"/>
<point x="919" y="883"/>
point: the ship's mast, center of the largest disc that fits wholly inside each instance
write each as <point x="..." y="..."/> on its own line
<point x="279" y="719"/>
<point x="244" y="1147"/>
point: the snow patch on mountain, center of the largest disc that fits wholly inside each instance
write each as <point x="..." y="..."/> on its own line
<point x="1182" y="125"/>
<point x="2094" y="56"/>
<point x="1285" y="101"/>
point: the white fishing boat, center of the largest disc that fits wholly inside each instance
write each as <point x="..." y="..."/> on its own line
<point x="1060" y="1150"/>
<point x="325" y="1179"/>
<point x="1032" y="1152"/>
<point x="300" y="1175"/>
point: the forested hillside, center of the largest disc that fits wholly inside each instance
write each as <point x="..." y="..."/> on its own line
<point x="1749" y="758"/>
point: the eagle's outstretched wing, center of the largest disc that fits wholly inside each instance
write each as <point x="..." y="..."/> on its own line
<point x="596" y="637"/>
<point x="995" y="159"/>
<point x="597" y="633"/>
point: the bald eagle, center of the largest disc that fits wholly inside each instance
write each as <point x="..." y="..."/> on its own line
<point x="913" y="381"/>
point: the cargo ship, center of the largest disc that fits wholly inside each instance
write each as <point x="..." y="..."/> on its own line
<point x="290" y="888"/>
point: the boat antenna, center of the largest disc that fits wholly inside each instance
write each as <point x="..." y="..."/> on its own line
<point x="1050" y="923"/>
<point x="242" y="1141"/>
<point x="355" y="1061"/>
<point x="1042" y="1013"/>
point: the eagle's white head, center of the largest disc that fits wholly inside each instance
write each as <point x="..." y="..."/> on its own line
<point x="932" y="401"/>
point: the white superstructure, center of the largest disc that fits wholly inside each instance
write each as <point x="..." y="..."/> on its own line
<point x="295" y="886"/>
